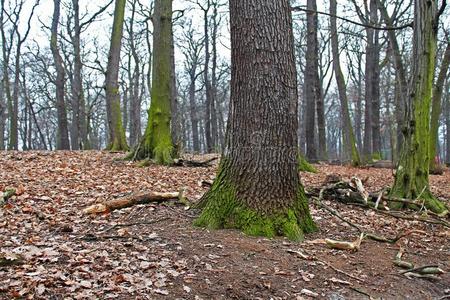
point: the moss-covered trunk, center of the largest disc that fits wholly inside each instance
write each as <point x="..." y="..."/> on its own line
<point x="157" y="140"/>
<point x="437" y="106"/>
<point x="258" y="188"/>
<point x="411" y="179"/>
<point x="117" y="138"/>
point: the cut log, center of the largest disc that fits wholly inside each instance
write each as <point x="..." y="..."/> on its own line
<point x="135" y="199"/>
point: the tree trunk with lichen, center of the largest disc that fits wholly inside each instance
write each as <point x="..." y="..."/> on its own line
<point x="437" y="107"/>
<point x="411" y="178"/>
<point x="258" y="189"/>
<point x="117" y="138"/>
<point x="348" y="136"/>
<point x="157" y="140"/>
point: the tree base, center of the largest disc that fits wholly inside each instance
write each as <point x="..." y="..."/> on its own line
<point x="163" y="154"/>
<point x="429" y="202"/>
<point x="305" y="166"/>
<point x="221" y="209"/>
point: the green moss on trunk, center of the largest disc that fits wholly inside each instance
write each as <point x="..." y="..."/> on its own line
<point x="412" y="177"/>
<point x="157" y="140"/>
<point x="221" y="209"/>
<point x="305" y="166"/>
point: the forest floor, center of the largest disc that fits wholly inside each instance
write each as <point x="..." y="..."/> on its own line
<point x="156" y="253"/>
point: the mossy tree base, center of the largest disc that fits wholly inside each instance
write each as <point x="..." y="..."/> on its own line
<point x="222" y="209"/>
<point x="430" y="202"/>
<point x="305" y="166"/>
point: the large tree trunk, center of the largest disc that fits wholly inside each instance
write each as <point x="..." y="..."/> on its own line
<point x="311" y="87"/>
<point x="62" y="142"/>
<point x="157" y="139"/>
<point x="436" y="107"/>
<point x="258" y="188"/>
<point x="348" y="139"/>
<point x="411" y="178"/>
<point x="117" y="139"/>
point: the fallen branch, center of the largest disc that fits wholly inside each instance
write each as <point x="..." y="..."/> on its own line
<point x="313" y="258"/>
<point x="194" y="164"/>
<point x="135" y="199"/>
<point x="340" y="245"/>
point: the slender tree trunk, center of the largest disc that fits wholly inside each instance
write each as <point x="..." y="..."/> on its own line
<point x="175" y="127"/>
<point x="376" y="131"/>
<point x="208" y="94"/>
<point x="215" y="27"/>
<point x="447" y="123"/>
<point x="117" y="140"/>
<point x="436" y="107"/>
<point x="80" y="113"/>
<point x="311" y="81"/>
<point x="411" y="178"/>
<point x="2" y="117"/>
<point x="193" y="111"/>
<point x="401" y="93"/>
<point x="62" y="141"/>
<point x="258" y="188"/>
<point x="349" y="143"/>
<point x="157" y="139"/>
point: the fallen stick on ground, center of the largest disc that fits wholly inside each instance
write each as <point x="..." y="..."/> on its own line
<point x="134" y="199"/>
<point x="313" y="258"/>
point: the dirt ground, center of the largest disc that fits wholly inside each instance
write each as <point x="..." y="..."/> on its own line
<point x="153" y="251"/>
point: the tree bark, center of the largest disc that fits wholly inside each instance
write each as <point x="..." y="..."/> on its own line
<point x="79" y="113"/>
<point x="157" y="140"/>
<point x="62" y="142"/>
<point x="411" y="178"/>
<point x="348" y="136"/>
<point x="436" y="107"/>
<point x="311" y="87"/>
<point x="117" y="139"/>
<point x="258" y="188"/>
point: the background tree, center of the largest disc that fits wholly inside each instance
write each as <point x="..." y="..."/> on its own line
<point x="117" y="138"/>
<point x="63" y="135"/>
<point x="348" y="140"/>
<point x="436" y="106"/>
<point x="257" y="188"/>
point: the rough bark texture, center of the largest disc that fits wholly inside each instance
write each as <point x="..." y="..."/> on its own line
<point x="411" y="179"/>
<point x="311" y="89"/>
<point x="157" y="139"/>
<point x="117" y="139"/>
<point x="62" y="142"/>
<point x="349" y="142"/>
<point x="437" y="107"/>
<point x="258" y="188"/>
